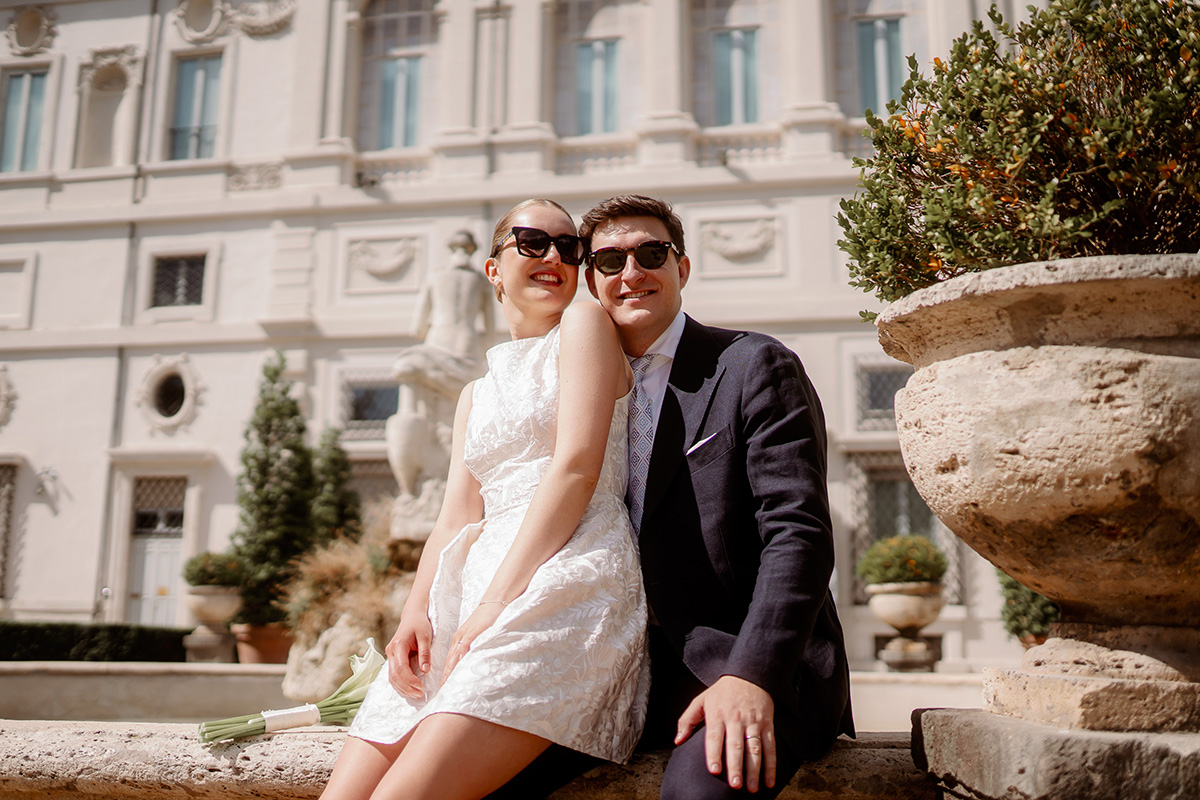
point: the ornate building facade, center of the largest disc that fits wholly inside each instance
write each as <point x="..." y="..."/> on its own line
<point x="188" y="185"/>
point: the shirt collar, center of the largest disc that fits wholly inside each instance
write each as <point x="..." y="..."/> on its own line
<point x="668" y="342"/>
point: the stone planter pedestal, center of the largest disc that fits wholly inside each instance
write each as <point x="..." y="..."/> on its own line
<point x="1053" y="423"/>
<point x="211" y="642"/>
<point x="907" y="607"/>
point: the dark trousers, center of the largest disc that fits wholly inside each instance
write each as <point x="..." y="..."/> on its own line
<point x="672" y="688"/>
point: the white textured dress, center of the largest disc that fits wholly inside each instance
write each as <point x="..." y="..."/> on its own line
<point x="567" y="659"/>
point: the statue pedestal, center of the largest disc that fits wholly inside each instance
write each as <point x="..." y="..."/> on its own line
<point x="976" y="755"/>
<point x="207" y="646"/>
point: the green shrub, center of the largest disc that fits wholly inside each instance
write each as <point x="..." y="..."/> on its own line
<point x="213" y="569"/>
<point x="275" y="490"/>
<point x="70" y="641"/>
<point x="902" y="559"/>
<point x="1076" y="134"/>
<point x="1025" y="612"/>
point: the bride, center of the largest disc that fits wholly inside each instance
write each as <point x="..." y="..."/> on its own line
<point x="526" y="622"/>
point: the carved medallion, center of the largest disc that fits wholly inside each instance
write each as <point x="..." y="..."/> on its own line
<point x="32" y="29"/>
<point x="201" y="21"/>
<point x="384" y="259"/>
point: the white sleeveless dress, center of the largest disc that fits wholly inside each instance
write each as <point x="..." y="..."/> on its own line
<point x="567" y="659"/>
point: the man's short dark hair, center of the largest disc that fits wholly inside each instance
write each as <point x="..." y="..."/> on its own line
<point x="633" y="205"/>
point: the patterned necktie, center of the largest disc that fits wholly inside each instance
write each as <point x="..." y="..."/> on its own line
<point x="641" y="437"/>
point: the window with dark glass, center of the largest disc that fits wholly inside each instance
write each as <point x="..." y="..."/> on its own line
<point x="178" y="281"/>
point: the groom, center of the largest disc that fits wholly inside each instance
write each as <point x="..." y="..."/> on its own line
<point x="728" y="500"/>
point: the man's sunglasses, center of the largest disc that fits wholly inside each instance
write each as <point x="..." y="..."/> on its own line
<point x="535" y="243"/>
<point x="650" y="255"/>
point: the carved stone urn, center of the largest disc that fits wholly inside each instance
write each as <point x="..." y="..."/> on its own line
<point x="1053" y="423"/>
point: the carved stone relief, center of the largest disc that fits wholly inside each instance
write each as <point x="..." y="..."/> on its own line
<point x="202" y="21"/>
<point x="8" y="396"/>
<point x="381" y="264"/>
<point x="252" y="177"/>
<point x="264" y="18"/>
<point x="740" y="247"/>
<point x="31" y="29"/>
<point x="170" y="393"/>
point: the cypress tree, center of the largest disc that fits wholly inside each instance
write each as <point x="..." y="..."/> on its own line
<point x="275" y="492"/>
<point x="335" y="508"/>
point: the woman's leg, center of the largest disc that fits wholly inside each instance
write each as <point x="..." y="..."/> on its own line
<point x="456" y="757"/>
<point x="360" y="767"/>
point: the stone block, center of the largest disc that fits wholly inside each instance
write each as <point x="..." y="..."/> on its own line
<point x="975" y="755"/>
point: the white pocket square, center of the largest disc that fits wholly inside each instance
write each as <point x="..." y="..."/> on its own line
<point x="700" y="444"/>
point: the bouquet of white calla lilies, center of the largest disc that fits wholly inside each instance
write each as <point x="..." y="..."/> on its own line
<point x="337" y="709"/>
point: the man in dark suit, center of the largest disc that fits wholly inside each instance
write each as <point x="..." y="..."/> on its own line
<point x="728" y="500"/>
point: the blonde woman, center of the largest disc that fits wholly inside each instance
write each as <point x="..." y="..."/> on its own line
<point x="526" y="622"/>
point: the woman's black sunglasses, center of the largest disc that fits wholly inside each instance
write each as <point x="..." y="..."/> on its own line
<point x="535" y="243"/>
<point x="650" y="255"/>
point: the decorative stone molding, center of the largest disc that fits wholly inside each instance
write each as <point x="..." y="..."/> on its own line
<point x="253" y="177"/>
<point x="384" y="259"/>
<point x="739" y="241"/>
<point x="201" y="21"/>
<point x="264" y="18"/>
<point x="150" y="397"/>
<point x="8" y="396"/>
<point x="31" y="29"/>
<point x="129" y="58"/>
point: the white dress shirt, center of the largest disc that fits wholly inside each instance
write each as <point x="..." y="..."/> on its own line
<point x="655" y="380"/>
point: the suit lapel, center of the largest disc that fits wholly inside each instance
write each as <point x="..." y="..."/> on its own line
<point x="695" y="374"/>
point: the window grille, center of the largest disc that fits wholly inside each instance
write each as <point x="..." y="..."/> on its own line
<point x="396" y="36"/>
<point x="8" y="489"/>
<point x="158" y="506"/>
<point x="368" y="399"/>
<point x="24" y="97"/>
<point x="885" y="503"/>
<point x="880" y="63"/>
<point x="876" y="390"/>
<point x="197" y="94"/>
<point x="178" y="281"/>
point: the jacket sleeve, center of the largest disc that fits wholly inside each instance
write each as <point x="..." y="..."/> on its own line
<point x="783" y="430"/>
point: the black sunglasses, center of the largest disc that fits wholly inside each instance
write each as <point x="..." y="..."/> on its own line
<point x="650" y="255"/>
<point x="535" y="243"/>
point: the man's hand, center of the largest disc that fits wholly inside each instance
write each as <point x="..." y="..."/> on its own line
<point x="739" y="725"/>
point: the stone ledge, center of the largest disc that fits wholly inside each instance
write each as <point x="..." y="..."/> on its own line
<point x="977" y="755"/>
<point x="124" y="761"/>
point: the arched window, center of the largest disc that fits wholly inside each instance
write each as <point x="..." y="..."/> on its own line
<point x="397" y="73"/>
<point x="596" y="61"/>
<point x="732" y="59"/>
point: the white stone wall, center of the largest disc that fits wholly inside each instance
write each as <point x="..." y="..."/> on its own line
<point x="287" y="211"/>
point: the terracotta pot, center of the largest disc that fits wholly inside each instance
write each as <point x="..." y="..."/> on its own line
<point x="907" y="607"/>
<point x="1053" y="423"/>
<point x="214" y="606"/>
<point x="262" y="644"/>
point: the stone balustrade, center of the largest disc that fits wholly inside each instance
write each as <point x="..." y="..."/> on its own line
<point x="164" y="761"/>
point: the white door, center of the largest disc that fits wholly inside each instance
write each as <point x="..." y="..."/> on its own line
<point x="155" y="579"/>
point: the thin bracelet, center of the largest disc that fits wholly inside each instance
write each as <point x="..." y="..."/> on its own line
<point x="501" y="602"/>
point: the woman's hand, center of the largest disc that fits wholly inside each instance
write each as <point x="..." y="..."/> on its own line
<point x="408" y="654"/>
<point x="480" y="620"/>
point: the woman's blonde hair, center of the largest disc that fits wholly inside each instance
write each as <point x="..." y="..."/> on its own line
<point x="504" y="227"/>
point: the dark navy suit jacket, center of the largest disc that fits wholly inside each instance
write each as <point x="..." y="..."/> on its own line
<point x="736" y="540"/>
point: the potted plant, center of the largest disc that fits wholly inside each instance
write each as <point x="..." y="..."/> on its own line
<point x="275" y="492"/>
<point x="903" y="576"/>
<point x="214" y="596"/>
<point x="1026" y="614"/>
<point x="1053" y="419"/>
